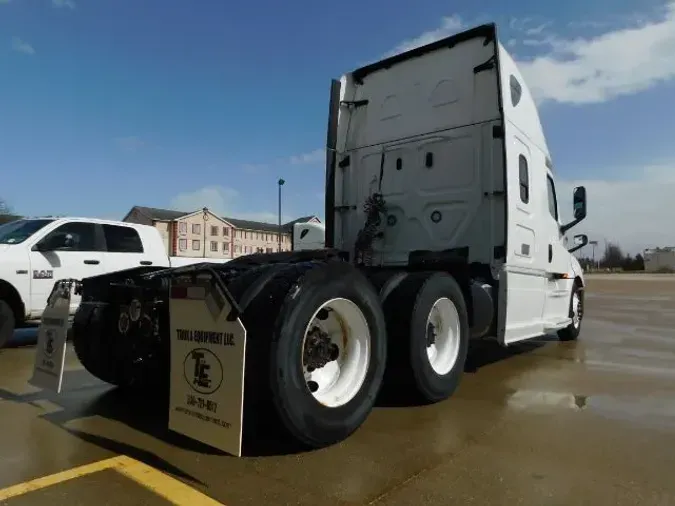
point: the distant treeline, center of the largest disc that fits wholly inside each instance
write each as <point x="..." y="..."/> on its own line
<point x="613" y="258"/>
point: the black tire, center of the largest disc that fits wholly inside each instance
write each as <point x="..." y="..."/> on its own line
<point x="572" y="331"/>
<point x="7" y="323"/>
<point x="93" y="339"/>
<point x="275" y="321"/>
<point x="407" y="308"/>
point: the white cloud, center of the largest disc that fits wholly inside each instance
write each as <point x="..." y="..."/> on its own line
<point x="22" y="46"/>
<point x="594" y="69"/>
<point x="636" y="214"/>
<point x="313" y="157"/>
<point x="449" y="26"/>
<point x="633" y="56"/>
<point x="131" y="143"/>
<point x="70" y="4"/>
<point x="223" y="201"/>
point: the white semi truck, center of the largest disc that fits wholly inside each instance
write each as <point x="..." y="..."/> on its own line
<point x="442" y="225"/>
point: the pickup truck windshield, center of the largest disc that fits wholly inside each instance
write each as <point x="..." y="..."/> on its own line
<point x="18" y="231"/>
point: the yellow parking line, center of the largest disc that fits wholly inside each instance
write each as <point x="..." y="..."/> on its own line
<point x="171" y="489"/>
<point x="53" y="479"/>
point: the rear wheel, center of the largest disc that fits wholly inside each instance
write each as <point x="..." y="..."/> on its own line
<point x="428" y="327"/>
<point x="316" y="351"/>
<point x="7" y="323"/>
<point x="96" y="343"/>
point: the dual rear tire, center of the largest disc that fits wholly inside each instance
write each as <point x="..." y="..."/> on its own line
<point x="317" y="361"/>
<point x="428" y="329"/>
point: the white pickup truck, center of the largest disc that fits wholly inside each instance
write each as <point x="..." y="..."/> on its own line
<point x="36" y="252"/>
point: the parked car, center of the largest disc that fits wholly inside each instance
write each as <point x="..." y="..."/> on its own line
<point x="35" y="253"/>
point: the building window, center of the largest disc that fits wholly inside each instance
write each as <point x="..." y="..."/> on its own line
<point x="226" y="232"/>
<point x="269" y="250"/>
<point x="214" y="246"/>
<point x="226" y="248"/>
<point x="195" y="245"/>
<point x="182" y="227"/>
<point x="524" y="178"/>
<point x="196" y="228"/>
<point x="237" y="248"/>
<point x="182" y="244"/>
<point x="214" y="231"/>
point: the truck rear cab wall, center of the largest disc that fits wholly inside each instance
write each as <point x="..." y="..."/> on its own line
<point x="419" y="128"/>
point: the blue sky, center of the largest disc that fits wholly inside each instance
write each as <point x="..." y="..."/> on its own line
<point x="109" y="103"/>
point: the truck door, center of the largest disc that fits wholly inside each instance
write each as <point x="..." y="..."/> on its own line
<point x="522" y="280"/>
<point x="124" y="249"/>
<point x="558" y="286"/>
<point x="72" y="250"/>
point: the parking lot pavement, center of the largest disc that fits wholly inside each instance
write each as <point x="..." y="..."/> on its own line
<point x="544" y="423"/>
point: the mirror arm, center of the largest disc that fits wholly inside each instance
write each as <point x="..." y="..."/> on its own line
<point x="578" y="246"/>
<point x="564" y="228"/>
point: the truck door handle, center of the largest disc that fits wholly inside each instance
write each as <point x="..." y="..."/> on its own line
<point x="146" y="262"/>
<point x="550" y="253"/>
<point x="92" y="262"/>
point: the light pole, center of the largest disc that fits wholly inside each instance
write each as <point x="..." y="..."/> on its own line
<point x="205" y="217"/>
<point x="280" y="183"/>
<point x="593" y="245"/>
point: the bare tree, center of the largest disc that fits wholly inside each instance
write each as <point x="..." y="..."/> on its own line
<point x="613" y="257"/>
<point x="6" y="214"/>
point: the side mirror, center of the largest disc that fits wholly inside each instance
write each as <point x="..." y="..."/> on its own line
<point x="580" y="241"/>
<point x="579" y="203"/>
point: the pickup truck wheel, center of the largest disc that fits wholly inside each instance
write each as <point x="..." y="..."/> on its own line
<point x="572" y="331"/>
<point x="427" y="315"/>
<point x="7" y="323"/>
<point x="319" y="337"/>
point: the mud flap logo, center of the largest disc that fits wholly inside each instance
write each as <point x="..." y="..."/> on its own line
<point x="203" y="371"/>
<point x="49" y="342"/>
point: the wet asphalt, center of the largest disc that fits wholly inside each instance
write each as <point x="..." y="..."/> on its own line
<point x="542" y="423"/>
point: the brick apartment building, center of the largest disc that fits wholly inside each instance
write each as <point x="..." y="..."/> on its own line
<point x="206" y="235"/>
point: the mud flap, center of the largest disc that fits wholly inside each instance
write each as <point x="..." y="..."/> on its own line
<point x="208" y="350"/>
<point x="50" y="352"/>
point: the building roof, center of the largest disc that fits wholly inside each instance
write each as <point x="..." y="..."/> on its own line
<point x="154" y="213"/>
<point x="159" y="214"/>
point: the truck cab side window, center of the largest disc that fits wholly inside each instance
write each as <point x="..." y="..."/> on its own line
<point x="73" y="236"/>
<point x="552" y="199"/>
<point x="524" y="178"/>
<point x="121" y="239"/>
